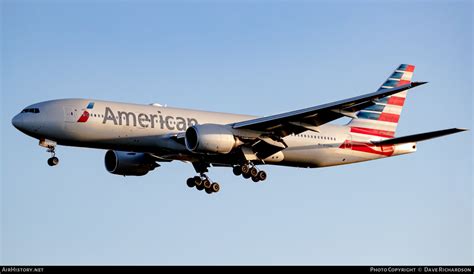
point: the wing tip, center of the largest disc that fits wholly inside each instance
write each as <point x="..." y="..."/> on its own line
<point x="415" y="84"/>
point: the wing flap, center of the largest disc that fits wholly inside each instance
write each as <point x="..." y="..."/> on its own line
<point x="266" y="147"/>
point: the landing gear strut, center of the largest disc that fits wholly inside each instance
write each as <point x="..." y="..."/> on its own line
<point x="250" y="171"/>
<point x="202" y="182"/>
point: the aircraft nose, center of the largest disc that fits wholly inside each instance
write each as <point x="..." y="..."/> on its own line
<point x="17" y="121"/>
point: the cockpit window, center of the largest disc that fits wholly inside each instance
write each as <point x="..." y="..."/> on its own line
<point x="31" y="110"/>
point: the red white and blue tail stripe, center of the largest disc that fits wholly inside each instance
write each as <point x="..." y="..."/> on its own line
<point x="381" y="119"/>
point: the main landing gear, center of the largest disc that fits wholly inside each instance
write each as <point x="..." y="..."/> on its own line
<point x="203" y="182"/>
<point x="250" y="171"/>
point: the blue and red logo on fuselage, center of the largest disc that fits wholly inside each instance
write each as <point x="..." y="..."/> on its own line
<point x="85" y="115"/>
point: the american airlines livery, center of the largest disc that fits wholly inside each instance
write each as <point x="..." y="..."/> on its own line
<point x="139" y="137"/>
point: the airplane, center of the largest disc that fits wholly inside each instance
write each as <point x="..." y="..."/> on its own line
<point x="140" y="137"/>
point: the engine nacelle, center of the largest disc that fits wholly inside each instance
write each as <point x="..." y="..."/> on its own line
<point x="128" y="163"/>
<point x="210" y="138"/>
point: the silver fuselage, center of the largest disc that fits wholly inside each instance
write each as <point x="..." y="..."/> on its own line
<point x="149" y="128"/>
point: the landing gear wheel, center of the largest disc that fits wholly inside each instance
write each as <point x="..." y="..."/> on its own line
<point x="53" y="161"/>
<point x="190" y="182"/>
<point x="255" y="179"/>
<point x="246" y="175"/>
<point x="215" y="187"/>
<point x="237" y="170"/>
<point x="245" y="169"/>
<point x="208" y="191"/>
<point x="253" y="172"/>
<point x="198" y="182"/>
<point x="262" y="175"/>
<point x="206" y="183"/>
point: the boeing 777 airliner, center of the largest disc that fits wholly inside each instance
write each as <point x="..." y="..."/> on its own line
<point x="139" y="137"/>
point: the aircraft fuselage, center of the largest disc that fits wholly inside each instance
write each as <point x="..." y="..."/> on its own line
<point x="147" y="128"/>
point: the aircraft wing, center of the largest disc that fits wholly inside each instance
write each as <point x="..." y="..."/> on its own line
<point x="418" y="137"/>
<point x="281" y="125"/>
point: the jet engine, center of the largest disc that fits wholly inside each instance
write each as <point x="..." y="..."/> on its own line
<point x="128" y="163"/>
<point x="210" y="138"/>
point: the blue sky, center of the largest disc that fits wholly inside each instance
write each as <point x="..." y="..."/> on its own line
<point x="252" y="57"/>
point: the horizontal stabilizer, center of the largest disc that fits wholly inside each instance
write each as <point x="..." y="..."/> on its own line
<point x="419" y="137"/>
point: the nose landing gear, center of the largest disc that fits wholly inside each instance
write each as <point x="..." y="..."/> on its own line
<point x="51" y="146"/>
<point x="53" y="160"/>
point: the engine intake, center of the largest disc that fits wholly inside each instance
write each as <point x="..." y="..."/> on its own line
<point x="128" y="163"/>
<point x="210" y="138"/>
